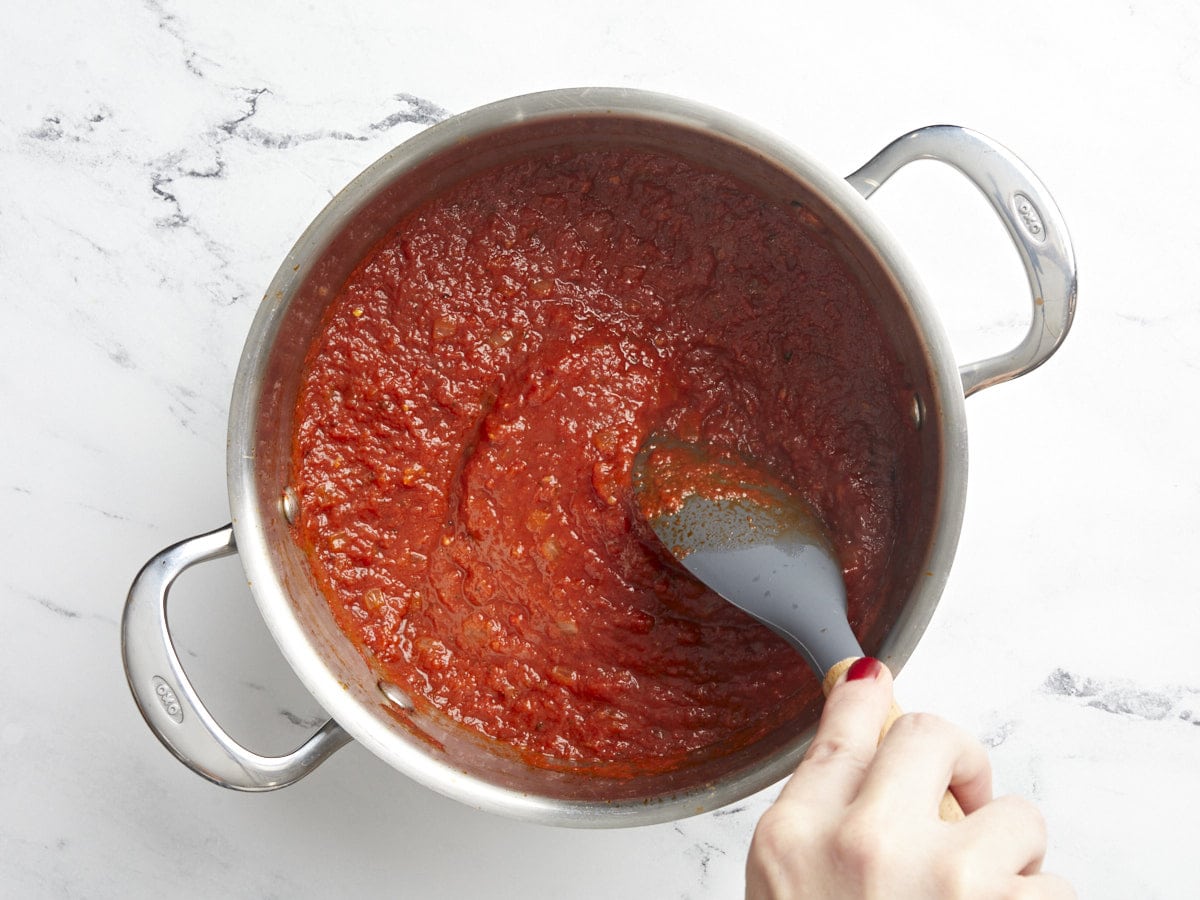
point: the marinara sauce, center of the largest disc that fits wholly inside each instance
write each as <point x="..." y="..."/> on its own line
<point x="468" y="418"/>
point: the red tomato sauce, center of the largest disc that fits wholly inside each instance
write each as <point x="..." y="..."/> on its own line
<point x="468" y="419"/>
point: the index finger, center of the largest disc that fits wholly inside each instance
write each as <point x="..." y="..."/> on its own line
<point x="844" y="746"/>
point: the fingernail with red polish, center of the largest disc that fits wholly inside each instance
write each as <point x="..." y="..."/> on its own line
<point x="867" y="667"/>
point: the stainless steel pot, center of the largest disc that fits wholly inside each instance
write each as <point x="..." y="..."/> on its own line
<point x="378" y="715"/>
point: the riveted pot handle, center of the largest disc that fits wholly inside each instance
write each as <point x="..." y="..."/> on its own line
<point x="1032" y="219"/>
<point x="166" y="698"/>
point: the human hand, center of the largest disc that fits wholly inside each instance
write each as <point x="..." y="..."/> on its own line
<point x="859" y="820"/>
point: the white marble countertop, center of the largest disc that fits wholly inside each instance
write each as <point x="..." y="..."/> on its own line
<point x="157" y="160"/>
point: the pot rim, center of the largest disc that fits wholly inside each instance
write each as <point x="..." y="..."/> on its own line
<point x="250" y="516"/>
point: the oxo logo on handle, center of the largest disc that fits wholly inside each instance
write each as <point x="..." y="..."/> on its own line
<point x="167" y="699"/>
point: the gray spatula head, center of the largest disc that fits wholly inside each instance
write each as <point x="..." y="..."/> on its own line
<point x="758" y="546"/>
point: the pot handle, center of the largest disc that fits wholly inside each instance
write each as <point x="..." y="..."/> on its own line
<point x="1032" y="219"/>
<point x="167" y="700"/>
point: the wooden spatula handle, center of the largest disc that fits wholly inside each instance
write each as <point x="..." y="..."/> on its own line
<point x="948" y="809"/>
